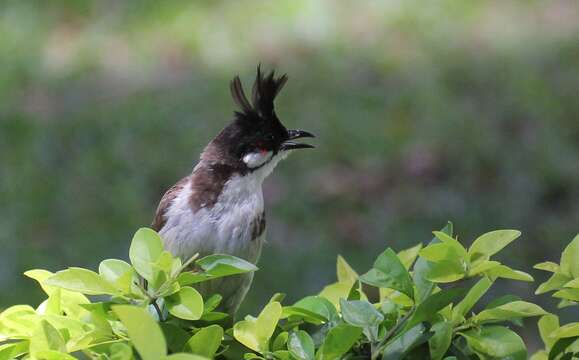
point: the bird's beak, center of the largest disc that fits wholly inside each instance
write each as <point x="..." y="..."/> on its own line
<point x="297" y="134"/>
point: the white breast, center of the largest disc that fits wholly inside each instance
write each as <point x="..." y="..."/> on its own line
<point x="226" y="227"/>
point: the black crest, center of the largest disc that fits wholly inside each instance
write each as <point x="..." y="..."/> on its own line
<point x="264" y="91"/>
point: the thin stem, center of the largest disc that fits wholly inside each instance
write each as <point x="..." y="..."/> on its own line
<point x="188" y="262"/>
<point x="158" y="310"/>
<point x="394" y="329"/>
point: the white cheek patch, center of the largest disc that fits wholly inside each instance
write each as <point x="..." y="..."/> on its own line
<point x="255" y="159"/>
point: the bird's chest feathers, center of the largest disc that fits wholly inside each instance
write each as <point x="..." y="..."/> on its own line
<point x="225" y="227"/>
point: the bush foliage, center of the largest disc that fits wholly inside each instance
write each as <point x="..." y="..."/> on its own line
<point x="415" y="304"/>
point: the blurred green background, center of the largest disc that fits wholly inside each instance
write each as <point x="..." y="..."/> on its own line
<point x="426" y="111"/>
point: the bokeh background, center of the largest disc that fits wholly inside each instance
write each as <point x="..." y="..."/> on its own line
<point x="426" y="111"/>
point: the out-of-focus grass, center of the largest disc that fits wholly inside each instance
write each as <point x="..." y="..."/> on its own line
<point x="425" y="111"/>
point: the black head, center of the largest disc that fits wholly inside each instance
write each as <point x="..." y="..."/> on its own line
<point x="256" y="135"/>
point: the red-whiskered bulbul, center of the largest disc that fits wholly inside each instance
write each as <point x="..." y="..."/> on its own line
<point x="219" y="207"/>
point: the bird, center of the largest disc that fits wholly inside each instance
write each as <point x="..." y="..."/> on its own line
<point x="219" y="207"/>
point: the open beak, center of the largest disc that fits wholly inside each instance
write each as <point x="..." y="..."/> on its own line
<point x="297" y="134"/>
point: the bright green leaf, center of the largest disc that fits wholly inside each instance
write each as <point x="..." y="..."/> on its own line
<point x="547" y="266"/>
<point x="143" y="330"/>
<point x="186" y="304"/>
<point x="565" y="331"/>
<point x="511" y="310"/>
<point x="408" y="256"/>
<point x="449" y="240"/>
<point x="13" y="350"/>
<point x="547" y="324"/>
<point x="567" y="294"/>
<point x="146" y="247"/>
<point x="491" y="243"/>
<point x="256" y="332"/>
<point x="118" y="273"/>
<point x="336" y="291"/>
<point x="556" y="281"/>
<point x="184" y="356"/>
<point x="483" y="266"/>
<point x="345" y="272"/>
<point x="206" y="341"/>
<point x="471" y="298"/>
<point x="570" y="259"/>
<point x="445" y="271"/>
<point x="224" y="265"/>
<point x="506" y="272"/>
<point x="46" y="337"/>
<point x="81" y="280"/>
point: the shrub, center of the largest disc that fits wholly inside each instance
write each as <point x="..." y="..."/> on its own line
<point x="414" y="304"/>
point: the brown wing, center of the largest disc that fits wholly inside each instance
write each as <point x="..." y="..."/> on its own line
<point x="170" y="195"/>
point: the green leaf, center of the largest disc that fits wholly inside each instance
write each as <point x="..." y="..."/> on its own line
<point x="565" y="331"/>
<point x="560" y="347"/>
<point x="547" y="324"/>
<point x="146" y="247"/>
<point x="389" y="272"/>
<point x="570" y="259"/>
<point x="440" y="341"/>
<point x="336" y="291"/>
<point x="496" y="342"/>
<point x="433" y="304"/>
<point x="121" y="351"/>
<point x="360" y="313"/>
<point x="218" y="265"/>
<point x="422" y="266"/>
<point x="280" y="341"/>
<point x="483" y="266"/>
<point x="408" y="256"/>
<point x="13" y="350"/>
<point x="506" y="272"/>
<point x="440" y="252"/>
<point x="184" y="356"/>
<point x="175" y="336"/>
<point x="572" y="284"/>
<point x="256" y="332"/>
<point x="206" y="341"/>
<point x="338" y="341"/>
<point x="511" y="310"/>
<point x="81" y="280"/>
<point x="71" y="301"/>
<point x="445" y="271"/>
<point x="345" y="272"/>
<point x="567" y="294"/>
<point x="143" y="330"/>
<point x="46" y="337"/>
<point x="317" y="305"/>
<point x="186" y="304"/>
<point x="212" y="303"/>
<point x="556" y="281"/>
<point x="547" y="266"/>
<point x="491" y="243"/>
<point x="406" y="342"/>
<point x="471" y="298"/>
<point x="301" y="345"/>
<point x="118" y="273"/>
<point x="452" y="242"/>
